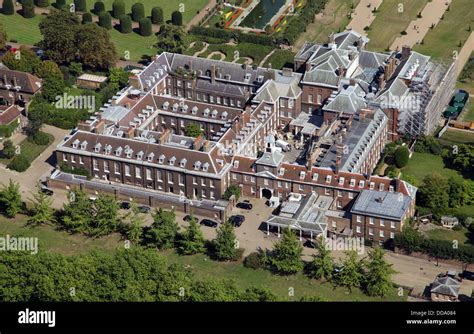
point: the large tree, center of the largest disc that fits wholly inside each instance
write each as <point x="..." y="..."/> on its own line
<point x="53" y="80"/>
<point x="434" y="193"/>
<point x="225" y="245"/>
<point x="323" y="264"/>
<point x="286" y="255"/>
<point x="42" y="212"/>
<point x="95" y="48"/>
<point x="164" y="229"/>
<point x="10" y="198"/>
<point x="59" y="30"/>
<point x="133" y="228"/>
<point x="351" y="274"/>
<point x="77" y="212"/>
<point x="192" y="240"/>
<point x="171" y="39"/>
<point x="24" y="60"/>
<point x="378" y="280"/>
<point x="106" y="218"/>
<point x="401" y="156"/>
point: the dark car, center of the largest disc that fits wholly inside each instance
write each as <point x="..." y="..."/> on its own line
<point x="187" y="218"/>
<point x="46" y="190"/>
<point x="208" y="222"/>
<point x="237" y="220"/>
<point x="144" y="209"/>
<point x="468" y="275"/>
<point x="125" y="205"/>
<point x="309" y="244"/>
<point x="246" y="205"/>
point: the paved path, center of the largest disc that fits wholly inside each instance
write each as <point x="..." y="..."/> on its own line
<point x="266" y="57"/>
<point x="204" y="49"/>
<point x="198" y="17"/>
<point x="363" y="16"/>
<point x="418" y="28"/>
<point x="465" y="53"/>
<point x="214" y="53"/>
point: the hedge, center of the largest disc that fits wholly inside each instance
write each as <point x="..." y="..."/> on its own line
<point x="237" y="35"/>
<point x="144" y="27"/>
<point x="42" y="3"/>
<point x="60" y="4"/>
<point x="125" y="24"/>
<point x="138" y="12"/>
<point x="177" y="18"/>
<point x="6" y="130"/>
<point x="8" y="8"/>
<point x="28" y="9"/>
<point x="157" y="15"/>
<point x="20" y="163"/>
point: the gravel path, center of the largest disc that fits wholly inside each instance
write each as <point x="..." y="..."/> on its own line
<point x="363" y="16"/>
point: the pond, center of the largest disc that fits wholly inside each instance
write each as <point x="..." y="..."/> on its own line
<point x="262" y="13"/>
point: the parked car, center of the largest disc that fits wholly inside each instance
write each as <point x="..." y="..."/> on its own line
<point x="46" y="190"/>
<point x="125" y="205"/>
<point x="187" y="218"/>
<point x="236" y="220"/>
<point x="209" y="223"/>
<point x="144" y="208"/>
<point x="468" y="275"/>
<point x="246" y="205"/>
<point x="308" y="243"/>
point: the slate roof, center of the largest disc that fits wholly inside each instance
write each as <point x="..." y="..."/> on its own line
<point x="349" y="100"/>
<point x="382" y="204"/>
<point x="272" y="159"/>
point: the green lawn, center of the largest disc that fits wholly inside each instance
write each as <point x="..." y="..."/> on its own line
<point x="280" y="59"/>
<point x="21" y="30"/>
<point x="30" y="149"/>
<point x="135" y="45"/>
<point x="335" y="18"/>
<point x="421" y="163"/>
<point x="453" y="137"/>
<point x="449" y="235"/>
<point x="443" y="40"/>
<point x="389" y="22"/>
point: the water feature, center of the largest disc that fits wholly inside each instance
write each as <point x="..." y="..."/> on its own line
<point x="262" y="13"/>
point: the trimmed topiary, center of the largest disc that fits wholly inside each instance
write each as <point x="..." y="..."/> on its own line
<point x="8" y="8"/>
<point x="118" y="8"/>
<point x="99" y="7"/>
<point x="125" y="24"/>
<point x="144" y="27"/>
<point x="81" y="5"/>
<point x="138" y="12"/>
<point x="177" y="18"/>
<point x="86" y="18"/>
<point x="42" y="3"/>
<point x="28" y="9"/>
<point x="105" y="20"/>
<point x="157" y="15"/>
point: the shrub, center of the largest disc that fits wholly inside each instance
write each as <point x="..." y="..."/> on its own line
<point x="253" y="261"/>
<point x="40" y="138"/>
<point x="138" y="12"/>
<point x="81" y="5"/>
<point x="391" y="171"/>
<point x="144" y="26"/>
<point x="28" y="9"/>
<point x="177" y="18"/>
<point x="86" y="18"/>
<point x="232" y="190"/>
<point x="42" y="3"/>
<point x="8" y="149"/>
<point x="76" y="171"/>
<point x="8" y="8"/>
<point x="118" y="9"/>
<point x="401" y="156"/>
<point x="60" y="4"/>
<point x="105" y="20"/>
<point x="99" y="7"/>
<point x="125" y="24"/>
<point x="20" y="163"/>
<point x="157" y="15"/>
<point x="403" y="32"/>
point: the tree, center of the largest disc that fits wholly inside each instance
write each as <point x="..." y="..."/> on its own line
<point x="3" y="37"/>
<point x="118" y="78"/>
<point x="8" y="8"/>
<point x="125" y="24"/>
<point x="42" y="211"/>
<point x="463" y="159"/>
<point x="409" y="239"/>
<point x="118" y="8"/>
<point x="24" y="60"/>
<point x="138" y="11"/>
<point x="80" y="5"/>
<point x="157" y="15"/>
<point x="60" y="4"/>
<point x="164" y="229"/>
<point x="59" y="29"/>
<point x="401" y="156"/>
<point x="52" y="76"/>
<point x="77" y="213"/>
<point x="434" y="193"/>
<point x="144" y="26"/>
<point x="133" y="230"/>
<point x="192" y="240"/>
<point x="8" y="149"/>
<point x="286" y="255"/>
<point x="105" y="20"/>
<point x="225" y="242"/>
<point x="105" y="219"/>
<point x="378" y="280"/>
<point x="42" y="3"/>
<point x="232" y="191"/>
<point x="86" y="18"/>
<point x="28" y="8"/>
<point x="193" y="130"/>
<point x="456" y="192"/>
<point x="170" y="39"/>
<point x="95" y="48"/>
<point x="99" y="7"/>
<point x="323" y="265"/>
<point x="177" y="18"/>
<point x="20" y="163"/>
<point x="10" y="198"/>
<point x="351" y="274"/>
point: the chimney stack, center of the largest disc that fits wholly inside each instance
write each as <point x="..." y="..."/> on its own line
<point x="213" y="73"/>
<point x="406" y="51"/>
<point x="338" y="164"/>
<point x="165" y="136"/>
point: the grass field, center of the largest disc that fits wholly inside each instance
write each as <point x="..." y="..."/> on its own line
<point x="389" y="22"/>
<point x="134" y="44"/>
<point x="443" y="40"/>
<point x="335" y="18"/>
<point x="56" y="241"/>
<point x="280" y="59"/>
<point x="21" y="30"/>
<point x="30" y="150"/>
<point x="448" y="235"/>
<point x="453" y="137"/>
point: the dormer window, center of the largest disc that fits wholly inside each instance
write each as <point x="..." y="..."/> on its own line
<point x="108" y="149"/>
<point x="341" y="181"/>
<point x="197" y="165"/>
<point x="206" y="112"/>
<point x="75" y="144"/>
<point x="84" y="145"/>
<point x="361" y="184"/>
<point x="129" y="153"/>
<point x="194" y="110"/>
<point x="315" y="176"/>
<point x="381" y="187"/>
<point x="175" y="107"/>
<point x="150" y="157"/>
<point x="118" y="151"/>
<point x="140" y="155"/>
<point x="205" y="167"/>
<point x="302" y="175"/>
<point x="97" y="147"/>
<point x="390" y="188"/>
<point x="161" y="159"/>
<point x="236" y="164"/>
<point x="372" y="185"/>
<point x="166" y="105"/>
<point x="214" y="113"/>
<point x="281" y="171"/>
<point x="352" y="183"/>
<point x="182" y="163"/>
<point x="247" y="76"/>
<point x="220" y="162"/>
<point x="328" y="179"/>
<point x="260" y="78"/>
<point x="172" y="161"/>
